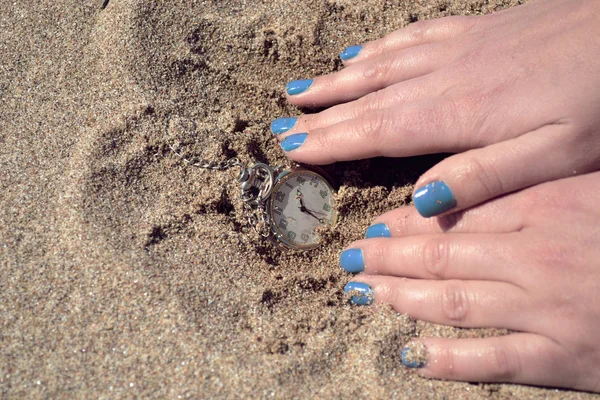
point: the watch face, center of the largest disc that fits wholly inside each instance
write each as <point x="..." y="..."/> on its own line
<point x="301" y="201"/>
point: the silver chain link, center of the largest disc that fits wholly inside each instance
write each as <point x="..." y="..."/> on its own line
<point x="257" y="185"/>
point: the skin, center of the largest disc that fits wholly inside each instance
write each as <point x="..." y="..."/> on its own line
<point x="516" y="95"/>
<point x="507" y="90"/>
<point x="527" y="262"/>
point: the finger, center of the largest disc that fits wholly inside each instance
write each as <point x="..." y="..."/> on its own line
<point x="409" y="129"/>
<point x="366" y="77"/>
<point x="490" y="217"/>
<point x="469" y="304"/>
<point x="470" y="178"/>
<point x="518" y="358"/>
<point x="408" y="91"/>
<point x="415" y="34"/>
<point x="434" y="257"/>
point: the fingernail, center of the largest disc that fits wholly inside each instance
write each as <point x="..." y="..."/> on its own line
<point x="360" y="293"/>
<point x="378" y="230"/>
<point x="352" y="260"/>
<point x="414" y="355"/>
<point x="299" y="86"/>
<point x="281" y="125"/>
<point x="294" y="141"/>
<point x="350" y="52"/>
<point x="433" y="199"/>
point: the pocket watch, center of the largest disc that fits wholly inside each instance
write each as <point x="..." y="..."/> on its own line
<point x="288" y="205"/>
<point x="301" y="203"/>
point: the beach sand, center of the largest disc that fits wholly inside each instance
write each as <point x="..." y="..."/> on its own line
<point x="126" y="273"/>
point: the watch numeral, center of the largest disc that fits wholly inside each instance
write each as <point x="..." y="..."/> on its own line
<point x="304" y="237"/>
<point x="323" y="193"/>
<point x="300" y="180"/>
<point x="327" y="207"/>
<point x="314" y="182"/>
<point x="277" y="210"/>
<point x="279" y="196"/>
<point x="292" y="235"/>
<point x="283" y="224"/>
<point x="289" y="185"/>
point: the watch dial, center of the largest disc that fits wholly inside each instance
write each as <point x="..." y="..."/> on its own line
<point x="301" y="202"/>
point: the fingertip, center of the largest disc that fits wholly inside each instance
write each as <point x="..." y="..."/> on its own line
<point x="414" y="355"/>
<point x="299" y="86"/>
<point x="292" y="142"/>
<point x="352" y="260"/>
<point x="434" y="199"/>
<point x="359" y="293"/>
<point x="282" y="125"/>
<point x="350" y="52"/>
<point x="378" y="230"/>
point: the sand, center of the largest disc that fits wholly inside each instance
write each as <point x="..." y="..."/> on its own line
<point x="125" y="273"/>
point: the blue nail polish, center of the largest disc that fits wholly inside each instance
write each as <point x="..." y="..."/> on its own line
<point x="299" y="86"/>
<point x="408" y="361"/>
<point x="378" y="230"/>
<point x="281" y="125"/>
<point x="350" y="52"/>
<point x="360" y="293"/>
<point x="352" y="260"/>
<point x="433" y="199"/>
<point x="294" y="141"/>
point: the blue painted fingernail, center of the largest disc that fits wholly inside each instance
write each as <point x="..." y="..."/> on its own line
<point x="294" y="141"/>
<point x="433" y="199"/>
<point x="360" y="293"/>
<point x="350" y="52"/>
<point x="352" y="260"/>
<point x="299" y="86"/>
<point x="281" y="125"/>
<point x="378" y="230"/>
<point x="414" y="356"/>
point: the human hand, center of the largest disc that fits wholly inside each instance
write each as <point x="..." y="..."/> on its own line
<point x="515" y="93"/>
<point x="526" y="262"/>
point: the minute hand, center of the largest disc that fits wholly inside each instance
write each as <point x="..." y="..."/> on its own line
<point x="306" y="210"/>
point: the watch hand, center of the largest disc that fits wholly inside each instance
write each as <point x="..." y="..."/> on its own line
<point x="306" y="210"/>
<point x="316" y="212"/>
<point x="311" y="214"/>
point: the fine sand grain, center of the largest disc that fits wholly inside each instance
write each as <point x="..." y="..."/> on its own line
<point x="125" y="273"/>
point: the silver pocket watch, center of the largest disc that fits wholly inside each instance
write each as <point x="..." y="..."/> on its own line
<point x="289" y="206"/>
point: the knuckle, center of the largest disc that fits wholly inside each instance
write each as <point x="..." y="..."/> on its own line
<point x="381" y="72"/>
<point x="446" y="359"/>
<point x="393" y="295"/>
<point x="467" y="61"/>
<point x="436" y="256"/>
<point x="463" y="22"/>
<point x="460" y="113"/>
<point x="417" y="31"/>
<point x="324" y="139"/>
<point x="377" y="255"/>
<point x="485" y="175"/>
<point x="373" y="101"/>
<point x="504" y="363"/>
<point x="455" y="303"/>
<point x="441" y="116"/>
<point x="370" y="127"/>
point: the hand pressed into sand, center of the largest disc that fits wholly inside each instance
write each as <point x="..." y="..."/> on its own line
<point x="526" y="262"/>
<point x="516" y="95"/>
